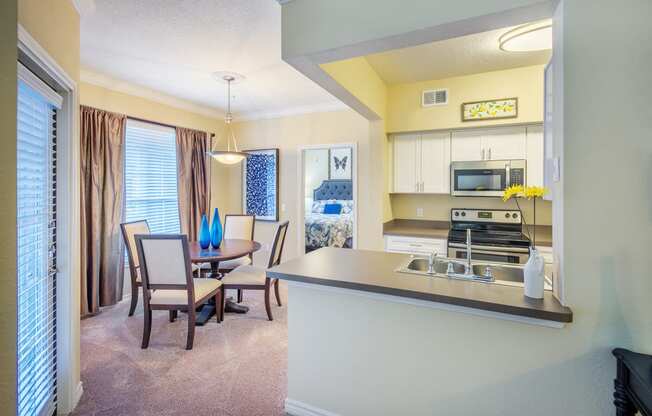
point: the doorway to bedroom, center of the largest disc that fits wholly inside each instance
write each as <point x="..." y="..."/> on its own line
<point x="328" y="197"/>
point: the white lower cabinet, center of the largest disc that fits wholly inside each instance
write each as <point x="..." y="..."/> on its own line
<point x="416" y="245"/>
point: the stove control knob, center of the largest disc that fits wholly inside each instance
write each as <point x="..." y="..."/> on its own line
<point x="507" y="215"/>
<point x="463" y="214"/>
<point x="457" y="213"/>
<point x="514" y="215"/>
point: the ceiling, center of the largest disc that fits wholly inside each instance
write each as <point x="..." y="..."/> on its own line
<point x="465" y="55"/>
<point x="173" y="46"/>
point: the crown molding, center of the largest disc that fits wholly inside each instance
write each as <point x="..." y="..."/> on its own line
<point x="75" y="4"/>
<point x="104" y="81"/>
<point x="294" y="111"/>
<point x="282" y="2"/>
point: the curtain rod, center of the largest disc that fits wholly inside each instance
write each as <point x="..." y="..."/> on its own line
<point x="161" y="124"/>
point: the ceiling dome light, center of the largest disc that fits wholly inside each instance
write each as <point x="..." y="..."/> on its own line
<point x="527" y="38"/>
<point x="228" y="156"/>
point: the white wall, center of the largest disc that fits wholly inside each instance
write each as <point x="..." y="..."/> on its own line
<point x="316" y="171"/>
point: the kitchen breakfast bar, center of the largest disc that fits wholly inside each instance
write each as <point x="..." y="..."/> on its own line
<point x="354" y="319"/>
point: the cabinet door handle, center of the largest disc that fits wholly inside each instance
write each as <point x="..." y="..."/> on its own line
<point x="483" y="153"/>
<point x="489" y="154"/>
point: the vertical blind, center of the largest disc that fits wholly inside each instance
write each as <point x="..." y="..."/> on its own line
<point x="36" y="245"/>
<point x="151" y="176"/>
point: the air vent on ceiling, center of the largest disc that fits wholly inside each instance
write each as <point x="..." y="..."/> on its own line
<point x="434" y="97"/>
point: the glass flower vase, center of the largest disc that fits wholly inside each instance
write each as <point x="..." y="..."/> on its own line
<point x="216" y="230"/>
<point x="204" y="237"/>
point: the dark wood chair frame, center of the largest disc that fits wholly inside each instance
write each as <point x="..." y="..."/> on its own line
<point x="273" y="261"/>
<point x="251" y="255"/>
<point x="189" y="308"/>
<point x="633" y="383"/>
<point x="133" y="269"/>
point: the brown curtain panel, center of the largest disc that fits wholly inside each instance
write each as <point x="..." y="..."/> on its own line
<point x="192" y="178"/>
<point x="102" y="168"/>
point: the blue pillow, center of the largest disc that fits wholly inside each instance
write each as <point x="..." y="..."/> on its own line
<point x="333" y="209"/>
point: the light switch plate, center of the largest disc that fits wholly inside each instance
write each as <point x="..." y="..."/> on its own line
<point x="420" y="212"/>
<point x="282" y="207"/>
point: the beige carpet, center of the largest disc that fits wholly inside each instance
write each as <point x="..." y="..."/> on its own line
<point x="236" y="368"/>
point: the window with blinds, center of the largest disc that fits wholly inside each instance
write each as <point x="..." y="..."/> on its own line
<point x="36" y="245"/>
<point x="151" y="176"/>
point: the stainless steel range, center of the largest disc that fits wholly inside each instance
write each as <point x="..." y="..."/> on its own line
<point x="496" y="235"/>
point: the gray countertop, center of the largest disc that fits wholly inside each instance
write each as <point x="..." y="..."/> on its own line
<point x="439" y="229"/>
<point x="374" y="271"/>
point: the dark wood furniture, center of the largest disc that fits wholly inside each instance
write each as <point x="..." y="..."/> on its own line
<point x="229" y="249"/>
<point x="633" y="383"/>
<point x="168" y="282"/>
<point x="255" y="278"/>
<point x="129" y="230"/>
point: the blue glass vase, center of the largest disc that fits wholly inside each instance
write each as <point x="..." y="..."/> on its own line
<point x="216" y="230"/>
<point x="204" y="233"/>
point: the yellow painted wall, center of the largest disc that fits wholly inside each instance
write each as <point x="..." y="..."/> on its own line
<point x="404" y="111"/>
<point x="55" y="25"/>
<point x="360" y="79"/>
<point x="289" y="134"/>
<point x="438" y="207"/>
<point x="405" y="114"/>
<point x="8" y="20"/>
<point x="118" y="102"/>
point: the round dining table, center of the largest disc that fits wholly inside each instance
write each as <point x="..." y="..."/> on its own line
<point x="229" y="249"/>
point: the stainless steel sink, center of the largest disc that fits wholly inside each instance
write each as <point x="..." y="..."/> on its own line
<point x="484" y="272"/>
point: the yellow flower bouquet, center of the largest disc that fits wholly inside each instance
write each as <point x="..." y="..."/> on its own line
<point x="528" y="192"/>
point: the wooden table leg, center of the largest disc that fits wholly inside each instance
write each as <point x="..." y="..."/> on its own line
<point x="209" y="309"/>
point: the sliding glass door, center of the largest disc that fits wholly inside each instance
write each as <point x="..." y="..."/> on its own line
<point x="36" y="245"/>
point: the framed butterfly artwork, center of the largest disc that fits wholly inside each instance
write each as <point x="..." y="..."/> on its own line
<point x="260" y="184"/>
<point x="341" y="163"/>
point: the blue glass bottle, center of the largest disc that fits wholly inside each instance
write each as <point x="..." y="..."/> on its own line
<point x="216" y="230"/>
<point x="204" y="233"/>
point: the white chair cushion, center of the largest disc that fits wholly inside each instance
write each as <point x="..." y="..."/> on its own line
<point x="180" y="297"/>
<point x="232" y="264"/>
<point x="245" y="275"/>
<point x="140" y="279"/>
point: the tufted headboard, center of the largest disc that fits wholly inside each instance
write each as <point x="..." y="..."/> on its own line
<point x="334" y="189"/>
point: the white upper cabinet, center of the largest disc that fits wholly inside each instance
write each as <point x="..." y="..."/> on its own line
<point x="421" y="163"/>
<point x="405" y="163"/>
<point x="435" y="163"/>
<point x="504" y="143"/>
<point x="466" y="145"/>
<point x="535" y="156"/>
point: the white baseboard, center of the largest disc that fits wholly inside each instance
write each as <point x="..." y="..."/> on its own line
<point x="79" y="391"/>
<point x="297" y="408"/>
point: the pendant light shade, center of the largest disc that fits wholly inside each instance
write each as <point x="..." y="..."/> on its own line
<point x="530" y="37"/>
<point x="228" y="156"/>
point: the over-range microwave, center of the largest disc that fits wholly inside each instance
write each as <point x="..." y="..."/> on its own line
<point x="486" y="177"/>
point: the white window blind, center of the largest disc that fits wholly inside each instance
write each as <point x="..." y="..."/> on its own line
<point x="36" y="245"/>
<point x="151" y="176"/>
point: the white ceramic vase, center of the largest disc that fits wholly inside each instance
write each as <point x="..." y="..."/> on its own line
<point x="533" y="274"/>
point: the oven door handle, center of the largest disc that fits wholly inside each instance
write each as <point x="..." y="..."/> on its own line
<point x="488" y="249"/>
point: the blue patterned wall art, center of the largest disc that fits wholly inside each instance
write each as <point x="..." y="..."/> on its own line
<point x="260" y="182"/>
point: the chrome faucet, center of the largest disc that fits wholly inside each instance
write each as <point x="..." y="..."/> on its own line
<point x="431" y="261"/>
<point x="468" y="269"/>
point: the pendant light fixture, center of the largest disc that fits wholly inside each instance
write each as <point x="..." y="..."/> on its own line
<point x="229" y="156"/>
<point x="529" y="37"/>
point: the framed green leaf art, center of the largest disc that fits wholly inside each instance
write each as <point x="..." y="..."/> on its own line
<point x="490" y="109"/>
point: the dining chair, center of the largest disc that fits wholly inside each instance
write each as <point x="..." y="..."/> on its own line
<point x="168" y="282"/>
<point x="240" y="226"/>
<point x="129" y="230"/>
<point x="248" y="277"/>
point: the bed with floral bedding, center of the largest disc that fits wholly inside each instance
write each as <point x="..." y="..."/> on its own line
<point x="328" y="228"/>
